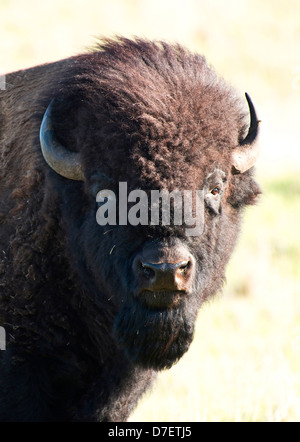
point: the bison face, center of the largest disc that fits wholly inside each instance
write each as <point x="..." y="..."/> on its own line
<point x="155" y="277"/>
<point x="158" y="276"/>
<point x="151" y="275"/>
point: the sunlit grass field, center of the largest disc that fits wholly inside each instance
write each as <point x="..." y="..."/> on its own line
<point x="244" y="363"/>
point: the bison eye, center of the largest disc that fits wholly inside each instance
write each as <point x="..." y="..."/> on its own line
<point x="216" y="190"/>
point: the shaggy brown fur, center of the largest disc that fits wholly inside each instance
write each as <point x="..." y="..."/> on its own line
<point x="155" y="116"/>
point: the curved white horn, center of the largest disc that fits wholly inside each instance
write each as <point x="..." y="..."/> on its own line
<point x="59" y="158"/>
<point x="246" y="154"/>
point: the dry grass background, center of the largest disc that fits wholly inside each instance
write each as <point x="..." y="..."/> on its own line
<point x="244" y="364"/>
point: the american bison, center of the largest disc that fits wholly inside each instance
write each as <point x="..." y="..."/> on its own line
<point x="91" y="312"/>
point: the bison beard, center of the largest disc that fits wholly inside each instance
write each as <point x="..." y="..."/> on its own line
<point x="154" y="338"/>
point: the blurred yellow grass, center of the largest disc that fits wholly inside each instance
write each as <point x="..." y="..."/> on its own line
<point x="244" y="364"/>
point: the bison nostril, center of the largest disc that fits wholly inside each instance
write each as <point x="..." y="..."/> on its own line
<point x="148" y="271"/>
<point x="184" y="266"/>
<point x="165" y="273"/>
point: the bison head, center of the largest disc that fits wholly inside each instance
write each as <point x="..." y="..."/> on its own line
<point x="155" y="117"/>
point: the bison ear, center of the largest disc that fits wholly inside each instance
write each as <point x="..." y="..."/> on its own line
<point x="58" y="157"/>
<point x="246" y="154"/>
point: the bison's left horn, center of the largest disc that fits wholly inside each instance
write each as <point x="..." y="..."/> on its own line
<point x="59" y="158"/>
<point x="245" y="156"/>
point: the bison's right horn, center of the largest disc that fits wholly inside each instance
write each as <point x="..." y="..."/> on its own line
<point x="246" y="154"/>
<point x="59" y="158"/>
